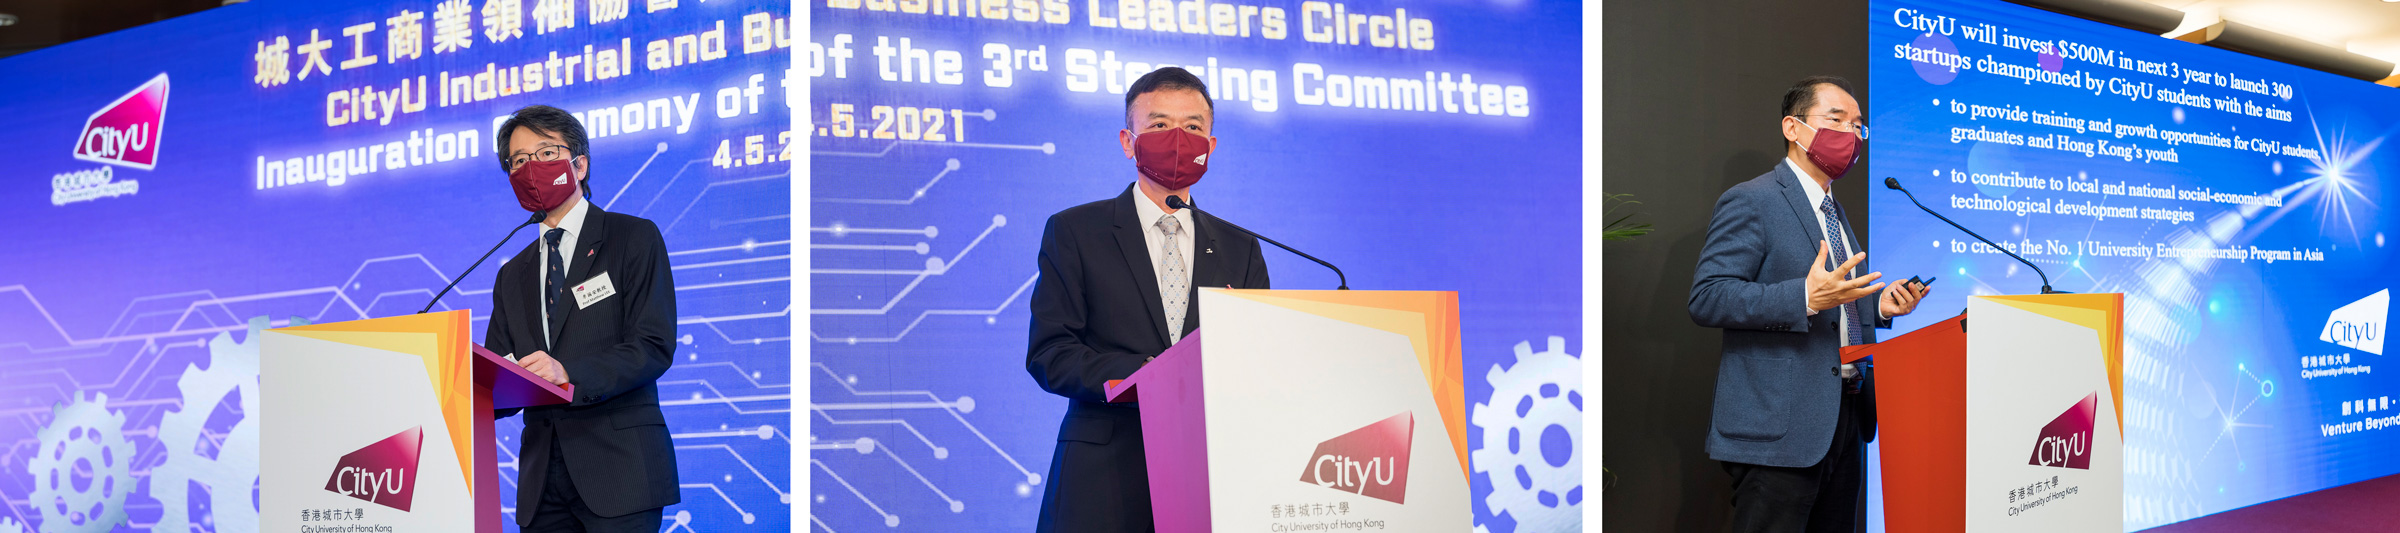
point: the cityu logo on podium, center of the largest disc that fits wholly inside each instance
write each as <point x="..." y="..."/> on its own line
<point x="1371" y="461"/>
<point x="2067" y="441"/>
<point x="383" y="473"/>
<point x="126" y="132"/>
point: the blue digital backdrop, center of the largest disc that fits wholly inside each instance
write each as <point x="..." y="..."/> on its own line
<point x="2235" y="201"/>
<point x="1437" y="150"/>
<point x="330" y="161"/>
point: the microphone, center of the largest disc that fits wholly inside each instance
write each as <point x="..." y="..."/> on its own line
<point x="1894" y="184"/>
<point x="1178" y="203"/>
<point x="512" y="234"/>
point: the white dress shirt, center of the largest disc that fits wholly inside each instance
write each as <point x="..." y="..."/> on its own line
<point x="573" y="223"/>
<point x="1147" y="212"/>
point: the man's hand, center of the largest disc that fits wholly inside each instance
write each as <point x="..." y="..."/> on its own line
<point x="1903" y="298"/>
<point x="1827" y="289"/>
<point x="542" y="365"/>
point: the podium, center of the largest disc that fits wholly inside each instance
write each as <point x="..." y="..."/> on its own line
<point x="1308" y="411"/>
<point x="385" y="425"/>
<point x="2008" y="417"/>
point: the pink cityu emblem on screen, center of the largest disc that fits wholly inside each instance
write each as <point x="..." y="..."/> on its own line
<point x="383" y="473"/>
<point x="126" y="132"/>
<point x="1371" y="461"/>
<point x="2067" y="441"/>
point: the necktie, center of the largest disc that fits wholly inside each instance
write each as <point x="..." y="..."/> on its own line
<point x="1855" y="331"/>
<point x="1174" y="280"/>
<point x="555" y="279"/>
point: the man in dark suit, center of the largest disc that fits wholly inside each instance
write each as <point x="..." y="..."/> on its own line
<point x="592" y="304"/>
<point x="1790" y="418"/>
<point x="1116" y="290"/>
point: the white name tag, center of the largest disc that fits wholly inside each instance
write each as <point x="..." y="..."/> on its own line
<point x="593" y="290"/>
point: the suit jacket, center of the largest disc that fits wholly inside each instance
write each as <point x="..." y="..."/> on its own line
<point x="1777" y="396"/>
<point x="613" y="435"/>
<point x="1097" y="317"/>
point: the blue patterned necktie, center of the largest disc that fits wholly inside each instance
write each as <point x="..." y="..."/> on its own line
<point x="1857" y="333"/>
<point x="555" y="278"/>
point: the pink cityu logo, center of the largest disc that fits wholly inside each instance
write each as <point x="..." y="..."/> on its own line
<point x="383" y="473"/>
<point x="126" y="132"/>
<point x="2067" y="441"/>
<point x="1371" y="461"/>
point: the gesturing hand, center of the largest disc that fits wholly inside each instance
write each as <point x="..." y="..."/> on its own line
<point x="1903" y="299"/>
<point x="1827" y="289"/>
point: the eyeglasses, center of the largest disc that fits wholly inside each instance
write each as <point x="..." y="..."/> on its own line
<point x="1855" y="127"/>
<point x="547" y="152"/>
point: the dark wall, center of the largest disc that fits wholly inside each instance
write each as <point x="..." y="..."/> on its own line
<point x="44" y="23"/>
<point x="1690" y="96"/>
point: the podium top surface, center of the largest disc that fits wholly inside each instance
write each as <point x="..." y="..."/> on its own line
<point x="524" y="389"/>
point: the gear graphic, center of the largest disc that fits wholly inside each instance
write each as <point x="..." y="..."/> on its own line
<point x="233" y="473"/>
<point x="83" y="435"/>
<point x="10" y="525"/>
<point x="1536" y="402"/>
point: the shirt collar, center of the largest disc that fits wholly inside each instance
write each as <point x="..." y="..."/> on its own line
<point x="573" y="222"/>
<point x="1147" y="212"/>
<point x="1816" y="194"/>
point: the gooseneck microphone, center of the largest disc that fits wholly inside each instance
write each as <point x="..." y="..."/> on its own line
<point x="512" y="234"/>
<point x="1894" y="184"/>
<point x="1178" y="203"/>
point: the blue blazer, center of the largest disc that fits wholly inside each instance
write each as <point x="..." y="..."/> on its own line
<point x="1777" y="395"/>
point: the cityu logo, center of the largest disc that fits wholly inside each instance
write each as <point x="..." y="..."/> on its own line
<point x="383" y="473"/>
<point x="2067" y="441"/>
<point x="126" y="132"/>
<point x="1371" y="461"/>
<point x="2360" y="324"/>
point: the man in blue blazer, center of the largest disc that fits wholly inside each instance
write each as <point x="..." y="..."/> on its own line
<point x="1790" y="419"/>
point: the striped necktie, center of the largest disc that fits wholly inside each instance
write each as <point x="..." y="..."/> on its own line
<point x="1856" y="332"/>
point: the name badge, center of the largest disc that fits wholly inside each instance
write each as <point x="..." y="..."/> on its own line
<point x="593" y="290"/>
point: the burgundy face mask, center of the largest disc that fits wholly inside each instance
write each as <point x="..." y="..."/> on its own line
<point x="1173" y="158"/>
<point x="543" y="185"/>
<point x="1832" y="151"/>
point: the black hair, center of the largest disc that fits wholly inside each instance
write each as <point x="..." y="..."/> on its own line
<point x="547" y="120"/>
<point x="1803" y="94"/>
<point x="1165" y="79"/>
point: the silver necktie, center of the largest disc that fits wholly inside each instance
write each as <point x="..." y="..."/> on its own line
<point x="1174" y="279"/>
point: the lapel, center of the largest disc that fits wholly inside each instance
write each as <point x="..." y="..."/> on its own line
<point x="528" y="273"/>
<point x="1136" y="252"/>
<point x="1211" y="266"/>
<point x="1800" y="208"/>
<point x="587" y="248"/>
